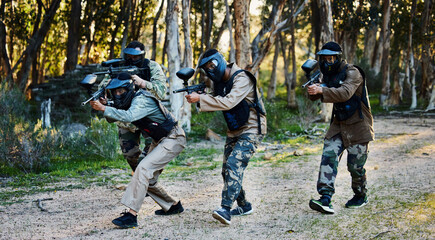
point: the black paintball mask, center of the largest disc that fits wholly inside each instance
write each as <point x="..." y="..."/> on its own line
<point x="122" y="101"/>
<point x="330" y="49"/>
<point x="132" y="50"/>
<point x="213" y="64"/>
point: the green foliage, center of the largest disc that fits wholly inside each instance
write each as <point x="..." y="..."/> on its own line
<point x="201" y="121"/>
<point x="24" y="146"/>
<point x="28" y="148"/>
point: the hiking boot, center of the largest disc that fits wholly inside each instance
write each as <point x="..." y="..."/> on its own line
<point x="177" y="208"/>
<point x="322" y="205"/>
<point x="222" y="215"/>
<point x="127" y="220"/>
<point x="357" y="201"/>
<point x="243" y="210"/>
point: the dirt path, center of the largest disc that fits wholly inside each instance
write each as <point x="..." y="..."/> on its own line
<point x="401" y="186"/>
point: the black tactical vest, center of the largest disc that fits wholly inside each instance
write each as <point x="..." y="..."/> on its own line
<point x="155" y="129"/>
<point x="344" y="110"/>
<point x="237" y="116"/>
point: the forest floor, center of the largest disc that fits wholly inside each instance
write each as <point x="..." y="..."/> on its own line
<point x="401" y="183"/>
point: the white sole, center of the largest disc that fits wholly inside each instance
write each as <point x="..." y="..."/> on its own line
<point x="220" y="218"/>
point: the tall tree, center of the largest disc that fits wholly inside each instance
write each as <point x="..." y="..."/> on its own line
<point x="272" y="83"/>
<point x="73" y="36"/>
<point x="128" y="3"/>
<point x="241" y="32"/>
<point x="174" y="63"/>
<point x="5" y="66"/>
<point x="34" y="44"/>
<point x="274" y="28"/>
<point x="409" y="60"/>
<point x="370" y="41"/>
<point x="323" y="33"/>
<point x="427" y="55"/>
<point x="386" y="13"/>
<point x="230" y="32"/>
<point x="187" y="59"/>
<point x="155" y="20"/>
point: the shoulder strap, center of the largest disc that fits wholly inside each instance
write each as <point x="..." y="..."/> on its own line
<point x="256" y="105"/>
<point x="364" y="92"/>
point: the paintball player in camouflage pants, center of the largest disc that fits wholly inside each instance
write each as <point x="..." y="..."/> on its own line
<point x="351" y="127"/>
<point x="234" y="94"/>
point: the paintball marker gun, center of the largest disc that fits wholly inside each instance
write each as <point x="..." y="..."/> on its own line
<point x="115" y="67"/>
<point x="185" y="74"/>
<point x="308" y="67"/>
<point x="87" y="83"/>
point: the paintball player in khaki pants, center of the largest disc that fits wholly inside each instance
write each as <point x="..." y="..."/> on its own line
<point x="143" y="110"/>
<point x="236" y="94"/>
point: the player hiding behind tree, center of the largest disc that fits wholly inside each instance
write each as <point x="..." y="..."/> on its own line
<point x="351" y="128"/>
<point x="152" y="119"/>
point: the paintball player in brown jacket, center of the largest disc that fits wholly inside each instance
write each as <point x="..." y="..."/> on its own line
<point x="236" y="94"/>
<point x="351" y="126"/>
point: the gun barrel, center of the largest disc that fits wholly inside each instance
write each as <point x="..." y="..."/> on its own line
<point x="180" y="90"/>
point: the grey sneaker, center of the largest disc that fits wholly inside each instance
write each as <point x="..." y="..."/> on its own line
<point x="322" y="205"/>
<point x="222" y="215"/>
<point x="243" y="210"/>
<point x="357" y="201"/>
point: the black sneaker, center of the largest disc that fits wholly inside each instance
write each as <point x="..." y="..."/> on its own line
<point x="177" y="208"/>
<point x="222" y="215"/>
<point x="322" y="205"/>
<point x="127" y="220"/>
<point x="243" y="210"/>
<point x="357" y="201"/>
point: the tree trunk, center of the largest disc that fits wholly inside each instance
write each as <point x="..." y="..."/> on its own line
<point x="409" y="60"/>
<point x="230" y="32"/>
<point x="291" y="94"/>
<point x="5" y="66"/>
<point x="272" y="84"/>
<point x="35" y="43"/>
<point x="188" y="54"/>
<point x="174" y="62"/>
<point x="72" y="47"/>
<point x="126" y="25"/>
<point x="156" y="19"/>
<point x="208" y="23"/>
<point x="326" y="34"/>
<point x="267" y="43"/>
<point x="385" y="93"/>
<point x="217" y="37"/>
<point x="187" y="61"/>
<point x="241" y="32"/>
<point x="427" y="65"/>
<point x="371" y="32"/>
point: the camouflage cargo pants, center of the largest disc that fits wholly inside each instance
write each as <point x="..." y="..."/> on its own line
<point x="130" y="146"/>
<point x="238" y="151"/>
<point x="356" y="158"/>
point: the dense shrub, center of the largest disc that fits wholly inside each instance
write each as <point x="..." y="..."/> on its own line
<point x="24" y="144"/>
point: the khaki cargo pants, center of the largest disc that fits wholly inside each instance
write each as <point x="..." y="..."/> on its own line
<point x="149" y="169"/>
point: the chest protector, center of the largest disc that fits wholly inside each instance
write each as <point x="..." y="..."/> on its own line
<point x="344" y="110"/>
<point x="237" y="116"/>
<point x="154" y="129"/>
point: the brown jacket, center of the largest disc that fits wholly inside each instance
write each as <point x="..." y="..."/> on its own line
<point x="353" y="130"/>
<point x="243" y="88"/>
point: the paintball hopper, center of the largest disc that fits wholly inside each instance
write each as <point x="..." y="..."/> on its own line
<point x="185" y="73"/>
<point x="88" y="81"/>
<point x="116" y="62"/>
<point x="309" y="66"/>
